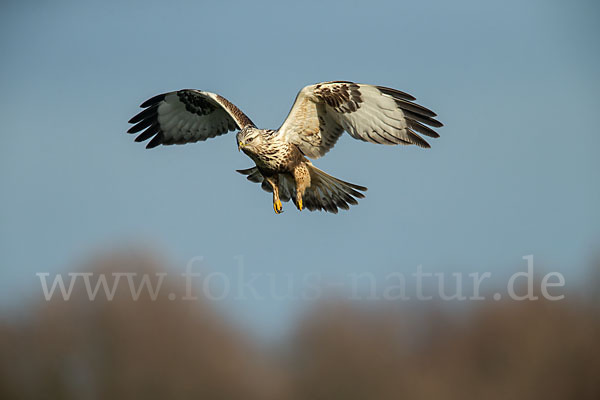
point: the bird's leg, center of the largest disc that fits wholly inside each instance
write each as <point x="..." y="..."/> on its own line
<point x="302" y="179"/>
<point x="299" y="201"/>
<point x="274" y="182"/>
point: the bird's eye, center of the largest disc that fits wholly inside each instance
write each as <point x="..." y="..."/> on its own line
<point x="251" y="138"/>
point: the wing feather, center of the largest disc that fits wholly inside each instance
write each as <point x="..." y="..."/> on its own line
<point x="422" y="129"/>
<point x="186" y="116"/>
<point x="376" y="114"/>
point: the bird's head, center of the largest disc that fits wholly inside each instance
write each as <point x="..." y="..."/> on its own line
<point x="249" y="139"/>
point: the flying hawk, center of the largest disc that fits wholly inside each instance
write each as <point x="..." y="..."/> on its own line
<point x="319" y="116"/>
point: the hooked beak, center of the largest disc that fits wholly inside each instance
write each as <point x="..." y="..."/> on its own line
<point x="241" y="145"/>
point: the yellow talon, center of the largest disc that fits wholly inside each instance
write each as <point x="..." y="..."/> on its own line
<point x="277" y="206"/>
<point x="300" y="205"/>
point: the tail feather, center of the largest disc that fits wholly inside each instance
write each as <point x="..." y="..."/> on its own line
<point x="253" y="175"/>
<point x="325" y="192"/>
<point x="330" y="193"/>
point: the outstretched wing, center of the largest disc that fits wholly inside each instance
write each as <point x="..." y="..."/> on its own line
<point x="186" y="116"/>
<point x="374" y="114"/>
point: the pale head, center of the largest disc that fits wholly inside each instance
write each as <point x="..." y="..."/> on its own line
<point x="250" y="139"/>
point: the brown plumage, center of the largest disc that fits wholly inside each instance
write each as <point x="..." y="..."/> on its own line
<point x="319" y="116"/>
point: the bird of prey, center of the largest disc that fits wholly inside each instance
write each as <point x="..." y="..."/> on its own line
<point x="319" y="116"/>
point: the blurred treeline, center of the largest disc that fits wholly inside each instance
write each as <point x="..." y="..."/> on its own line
<point x="186" y="350"/>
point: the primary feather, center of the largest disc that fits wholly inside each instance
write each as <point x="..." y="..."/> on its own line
<point x="318" y="117"/>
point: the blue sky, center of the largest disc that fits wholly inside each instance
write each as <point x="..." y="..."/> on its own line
<point x="514" y="172"/>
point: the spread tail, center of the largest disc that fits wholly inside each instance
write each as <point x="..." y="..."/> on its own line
<point x="329" y="193"/>
<point x="324" y="193"/>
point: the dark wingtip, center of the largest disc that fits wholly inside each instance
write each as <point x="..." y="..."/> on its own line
<point x="153" y="100"/>
<point x="396" y="93"/>
<point x="140" y="125"/>
<point x="149" y="112"/>
<point x="435" y="123"/>
<point x="156" y="140"/>
<point x="357" y="187"/>
<point x="422" y="119"/>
